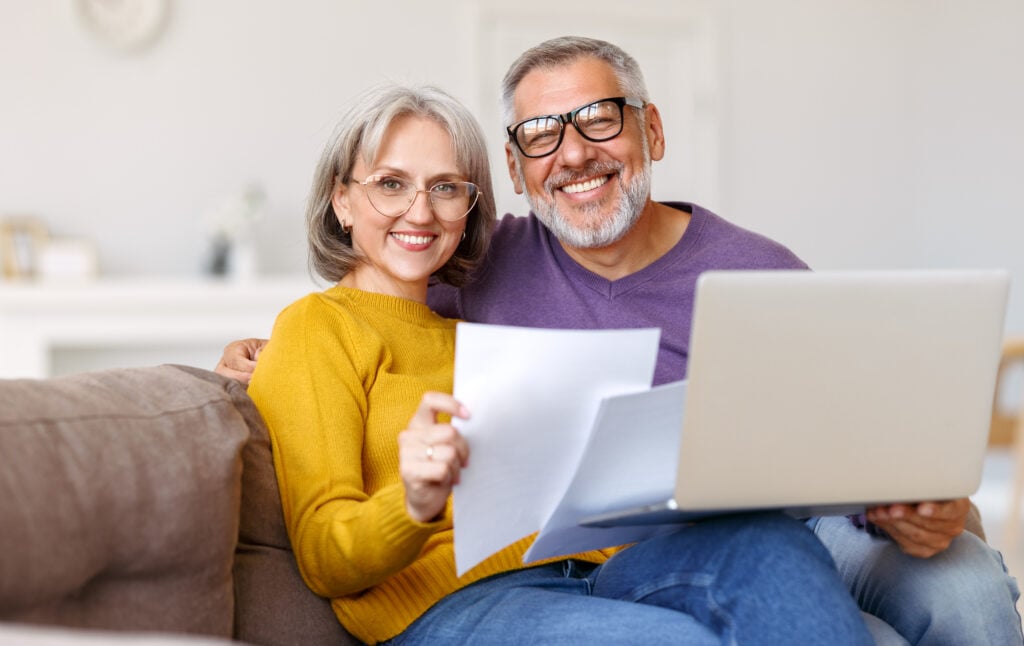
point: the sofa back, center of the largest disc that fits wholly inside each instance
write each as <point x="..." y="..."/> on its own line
<point x="120" y="499"/>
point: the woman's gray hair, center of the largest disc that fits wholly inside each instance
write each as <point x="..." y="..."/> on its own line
<point x="563" y="51"/>
<point x="359" y="134"/>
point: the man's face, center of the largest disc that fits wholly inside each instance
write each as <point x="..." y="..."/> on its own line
<point x="588" y="193"/>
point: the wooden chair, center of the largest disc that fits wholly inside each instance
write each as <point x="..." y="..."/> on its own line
<point x="1010" y="424"/>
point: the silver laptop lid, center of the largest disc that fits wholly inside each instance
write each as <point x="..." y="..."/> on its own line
<point x="838" y="387"/>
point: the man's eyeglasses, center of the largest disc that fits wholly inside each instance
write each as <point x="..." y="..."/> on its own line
<point x="393" y="196"/>
<point x="597" y="121"/>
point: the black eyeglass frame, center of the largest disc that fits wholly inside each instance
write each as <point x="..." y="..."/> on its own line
<point x="570" y="117"/>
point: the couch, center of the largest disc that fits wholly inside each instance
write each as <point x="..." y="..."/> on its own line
<point x="143" y="501"/>
<point x="140" y="506"/>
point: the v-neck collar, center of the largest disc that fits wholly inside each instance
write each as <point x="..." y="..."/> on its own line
<point x="611" y="289"/>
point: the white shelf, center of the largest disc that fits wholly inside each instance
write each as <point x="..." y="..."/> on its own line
<point x="155" y="319"/>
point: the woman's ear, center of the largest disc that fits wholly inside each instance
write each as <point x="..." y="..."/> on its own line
<point x="339" y="200"/>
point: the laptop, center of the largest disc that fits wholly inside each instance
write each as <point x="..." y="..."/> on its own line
<point x="822" y="393"/>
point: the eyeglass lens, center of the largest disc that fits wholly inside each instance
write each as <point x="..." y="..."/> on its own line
<point x="598" y="121"/>
<point x="393" y="196"/>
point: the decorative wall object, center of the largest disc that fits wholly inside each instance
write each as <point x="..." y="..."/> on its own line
<point x="232" y="225"/>
<point x="67" y="259"/>
<point x="21" y="239"/>
<point x="124" y="25"/>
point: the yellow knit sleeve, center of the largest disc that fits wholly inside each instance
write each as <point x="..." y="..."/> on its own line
<point x="310" y="386"/>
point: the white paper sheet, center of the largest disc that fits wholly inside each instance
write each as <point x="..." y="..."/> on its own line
<point x="630" y="460"/>
<point x="533" y="395"/>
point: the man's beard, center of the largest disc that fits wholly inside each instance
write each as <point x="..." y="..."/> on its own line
<point x="599" y="232"/>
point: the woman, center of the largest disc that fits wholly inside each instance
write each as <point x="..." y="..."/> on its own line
<point x="402" y="196"/>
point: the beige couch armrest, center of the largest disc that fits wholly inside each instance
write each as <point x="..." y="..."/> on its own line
<point x="119" y="498"/>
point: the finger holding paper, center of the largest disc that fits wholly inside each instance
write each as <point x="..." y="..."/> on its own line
<point x="431" y="456"/>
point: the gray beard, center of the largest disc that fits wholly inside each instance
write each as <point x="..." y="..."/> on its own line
<point x="601" y="232"/>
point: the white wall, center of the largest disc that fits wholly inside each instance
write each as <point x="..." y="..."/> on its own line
<point x="132" y="150"/>
<point x="862" y="133"/>
<point x="875" y="134"/>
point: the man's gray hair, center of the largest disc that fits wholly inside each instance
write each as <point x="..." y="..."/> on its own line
<point x="563" y="51"/>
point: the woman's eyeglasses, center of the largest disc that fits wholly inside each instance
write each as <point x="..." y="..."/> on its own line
<point x="393" y="196"/>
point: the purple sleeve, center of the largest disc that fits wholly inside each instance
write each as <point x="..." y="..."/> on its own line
<point x="860" y="521"/>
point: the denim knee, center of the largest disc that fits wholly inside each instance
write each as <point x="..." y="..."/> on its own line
<point x="780" y="536"/>
<point x="963" y="595"/>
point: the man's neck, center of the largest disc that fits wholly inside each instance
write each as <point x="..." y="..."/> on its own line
<point x="659" y="229"/>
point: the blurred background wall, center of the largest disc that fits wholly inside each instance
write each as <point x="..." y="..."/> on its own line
<point x="861" y="133"/>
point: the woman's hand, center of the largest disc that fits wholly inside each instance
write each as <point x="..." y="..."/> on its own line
<point x="431" y="455"/>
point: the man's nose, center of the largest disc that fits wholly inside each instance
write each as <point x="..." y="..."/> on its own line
<point x="575" y="149"/>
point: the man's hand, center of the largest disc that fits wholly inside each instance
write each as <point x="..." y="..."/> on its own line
<point x="239" y="359"/>
<point x="923" y="529"/>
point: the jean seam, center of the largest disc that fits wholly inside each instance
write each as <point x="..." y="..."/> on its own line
<point x="700" y="580"/>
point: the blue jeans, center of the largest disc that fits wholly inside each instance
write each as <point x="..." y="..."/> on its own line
<point x="753" y="579"/>
<point x="961" y="596"/>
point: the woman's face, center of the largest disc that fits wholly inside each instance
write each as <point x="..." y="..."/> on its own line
<point x="400" y="253"/>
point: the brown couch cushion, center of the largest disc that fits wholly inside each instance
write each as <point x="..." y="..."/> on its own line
<point x="274" y="606"/>
<point x="119" y="493"/>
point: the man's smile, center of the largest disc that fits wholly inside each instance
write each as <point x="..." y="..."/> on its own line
<point x="587" y="185"/>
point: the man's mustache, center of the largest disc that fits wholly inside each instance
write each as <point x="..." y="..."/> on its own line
<point x="571" y="176"/>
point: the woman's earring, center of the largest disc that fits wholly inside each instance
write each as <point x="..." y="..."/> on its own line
<point x="463" y="234"/>
<point x="346" y="228"/>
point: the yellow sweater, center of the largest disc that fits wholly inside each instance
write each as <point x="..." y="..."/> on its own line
<point x="341" y="377"/>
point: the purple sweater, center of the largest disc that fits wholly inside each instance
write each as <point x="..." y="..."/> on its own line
<point x="529" y="280"/>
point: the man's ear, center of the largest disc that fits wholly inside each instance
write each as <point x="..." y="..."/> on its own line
<point x="510" y="159"/>
<point x="654" y="132"/>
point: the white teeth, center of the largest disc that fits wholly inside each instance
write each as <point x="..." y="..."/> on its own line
<point x="589" y="185"/>
<point x="408" y="239"/>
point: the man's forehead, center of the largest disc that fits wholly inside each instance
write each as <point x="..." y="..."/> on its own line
<point x="560" y="88"/>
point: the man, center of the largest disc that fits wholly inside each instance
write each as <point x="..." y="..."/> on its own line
<point x="597" y="252"/>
